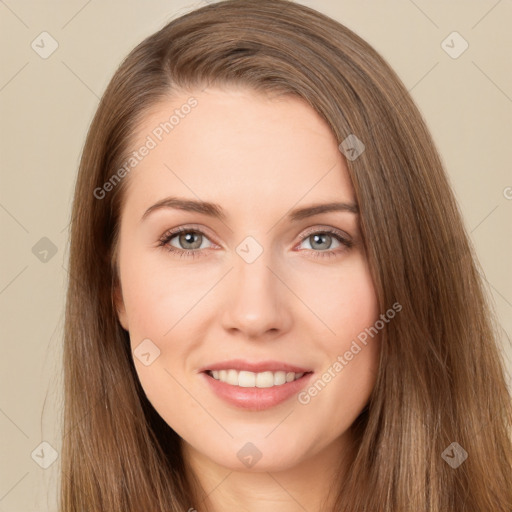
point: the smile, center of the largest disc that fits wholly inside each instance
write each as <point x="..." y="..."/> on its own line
<point x="248" y="379"/>
<point x="250" y="396"/>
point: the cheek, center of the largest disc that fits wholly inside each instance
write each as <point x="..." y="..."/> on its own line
<point x="358" y="341"/>
<point x="357" y="304"/>
<point x="341" y="296"/>
<point x="157" y="295"/>
<point x="350" y="310"/>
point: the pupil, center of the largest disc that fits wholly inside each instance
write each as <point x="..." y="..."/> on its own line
<point x="188" y="238"/>
<point x="318" y="239"/>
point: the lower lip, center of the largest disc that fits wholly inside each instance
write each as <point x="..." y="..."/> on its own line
<point x="256" y="399"/>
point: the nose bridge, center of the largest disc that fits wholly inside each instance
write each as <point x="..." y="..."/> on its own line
<point x="257" y="301"/>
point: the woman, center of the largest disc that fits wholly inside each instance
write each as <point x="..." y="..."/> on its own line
<point x="254" y="367"/>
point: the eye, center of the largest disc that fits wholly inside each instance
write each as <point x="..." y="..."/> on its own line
<point x="188" y="241"/>
<point x="324" y="240"/>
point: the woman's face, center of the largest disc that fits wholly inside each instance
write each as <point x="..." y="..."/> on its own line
<point x="258" y="278"/>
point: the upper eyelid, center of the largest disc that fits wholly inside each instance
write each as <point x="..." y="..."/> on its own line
<point x="319" y="229"/>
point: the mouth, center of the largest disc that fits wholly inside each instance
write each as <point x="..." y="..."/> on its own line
<point x="255" y="391"/>
<point x="248" y="379"/>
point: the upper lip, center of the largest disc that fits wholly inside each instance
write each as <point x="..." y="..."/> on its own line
<point x="255" y="367"/>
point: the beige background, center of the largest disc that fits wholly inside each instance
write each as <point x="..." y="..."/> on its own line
<point x="47" y="105"/>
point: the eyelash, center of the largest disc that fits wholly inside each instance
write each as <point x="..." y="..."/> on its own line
<point x="169" y="235"/>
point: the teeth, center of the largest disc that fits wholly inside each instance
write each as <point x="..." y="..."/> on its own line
<point x="246" y="379"/>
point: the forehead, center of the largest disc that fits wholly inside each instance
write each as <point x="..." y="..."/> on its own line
<point x="239" y="146"/>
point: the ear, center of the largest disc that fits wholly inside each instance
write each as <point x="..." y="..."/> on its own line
<point x="119" y="305"/>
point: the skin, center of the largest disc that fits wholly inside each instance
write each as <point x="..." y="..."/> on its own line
<point x="258" y="158"/>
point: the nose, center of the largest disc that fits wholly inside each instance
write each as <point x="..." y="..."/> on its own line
<point x="258" y="303"/>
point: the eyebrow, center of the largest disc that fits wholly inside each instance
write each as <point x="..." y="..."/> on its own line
<point x="214" y="210"/>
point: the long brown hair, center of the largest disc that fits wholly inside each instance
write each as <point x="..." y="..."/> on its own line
<point x="441" y="377"/>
